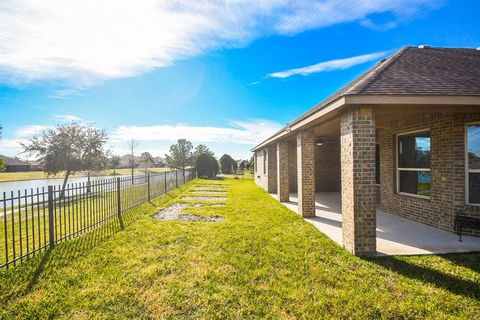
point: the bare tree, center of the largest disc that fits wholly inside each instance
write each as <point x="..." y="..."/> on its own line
<point x="69" y="147"/>
<point x="132" y="146"/>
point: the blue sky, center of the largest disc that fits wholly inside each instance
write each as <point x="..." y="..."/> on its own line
<point x="223" y="73"/>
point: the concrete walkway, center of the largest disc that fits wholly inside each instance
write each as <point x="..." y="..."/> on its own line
<point x="395" y="235"/>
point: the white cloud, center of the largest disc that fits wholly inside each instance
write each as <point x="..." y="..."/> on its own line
<point x="67" y="117"/>
<point x="337" y="64"/>
<point x="240" y="132"/>
<point x="88" y="41"/>
<point x="29" y="131"/>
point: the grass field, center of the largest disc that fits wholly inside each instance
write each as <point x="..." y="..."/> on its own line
<point x="263" y="261"/>
<point x="34" y="175"/>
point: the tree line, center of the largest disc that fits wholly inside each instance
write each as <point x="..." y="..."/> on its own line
<point x="76" y="146"/>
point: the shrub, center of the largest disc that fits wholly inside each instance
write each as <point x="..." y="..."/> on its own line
<point x="227" y="164"/>
<point x="206" y="165"/>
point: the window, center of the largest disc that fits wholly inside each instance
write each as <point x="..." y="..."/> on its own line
<point x="413" y="164"/>
<point x="264" y="161"/>
<point x="473" y="164"/>
<point x="377" y="164"/>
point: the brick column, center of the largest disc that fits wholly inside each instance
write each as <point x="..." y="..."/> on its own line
<point x="306" y="172"/>
<point x="272" y="169"/>
<point x="282" y="171"/>
<point x="357" y="130"/>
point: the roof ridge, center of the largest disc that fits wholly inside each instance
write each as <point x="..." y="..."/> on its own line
<point x="377" y="71"/>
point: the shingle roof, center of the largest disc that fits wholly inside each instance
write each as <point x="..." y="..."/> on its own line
<point x="416" y="71"/>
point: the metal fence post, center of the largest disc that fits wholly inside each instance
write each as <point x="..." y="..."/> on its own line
<point x="165" y="182"/>
<point x="176" y="178"/>
<point x="51" y="217"/>
<point x="119" y="205"/>
<point x="148" y="186"/>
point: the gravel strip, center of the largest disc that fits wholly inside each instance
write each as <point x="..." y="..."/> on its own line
<point x="204" y="198"/>
<point x="209" y="191"/>
<point x="174" y="213"/>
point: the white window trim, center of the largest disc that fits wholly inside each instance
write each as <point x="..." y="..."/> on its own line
<point x="397" y="169"/>
<point x="467" y="170"/>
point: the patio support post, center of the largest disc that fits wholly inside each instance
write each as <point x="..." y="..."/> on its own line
<point x="282" y="171"/>
<point x="272" y="169"/>
<point x="306" y="172"/>
<point x="357" y="143"/>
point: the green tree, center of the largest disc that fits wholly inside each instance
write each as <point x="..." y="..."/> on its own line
<point x="227" y="164"/>
<point x="69" y="147"/>
<point x="201" y="149"/>
<point x="181" y="155"/>
<point x="147" y="160"/>
<point x="114" y="162"/>
<point x="206" y="165"/>
<point x="242" y="166"/>
<point x="3" y="165"/>
<point x="251" y="165"/>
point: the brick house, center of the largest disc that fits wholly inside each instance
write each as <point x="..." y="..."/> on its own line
<point x="404" y="138"/>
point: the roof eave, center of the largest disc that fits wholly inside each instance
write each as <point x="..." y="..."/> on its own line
<point x="372" y="99"/>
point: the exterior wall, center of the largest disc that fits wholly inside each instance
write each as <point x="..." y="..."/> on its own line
<point x="272" y="168"/>
<point x="266" y="176"/>
<point x="357" y="144"/>
<point x="261" y="177"/>
<point x="447" y="133"/>
<point x="282" y="169"/>
<point x="306" y="172"/>
<point x="327" y="167"/>
<point x="292" y="166"/>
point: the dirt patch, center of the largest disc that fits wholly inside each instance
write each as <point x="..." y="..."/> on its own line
<point x="174" y="213"/>
<point x="204" y="198"/>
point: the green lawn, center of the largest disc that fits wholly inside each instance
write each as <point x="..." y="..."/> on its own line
<point x="264" y="261"/>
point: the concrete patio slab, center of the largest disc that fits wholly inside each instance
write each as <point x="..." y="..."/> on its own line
<point x="395" y="235"/>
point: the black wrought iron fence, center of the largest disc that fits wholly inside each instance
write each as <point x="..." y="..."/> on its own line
<point x="37" y="219"/>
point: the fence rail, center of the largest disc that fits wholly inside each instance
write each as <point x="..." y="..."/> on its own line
<point x="37" y="219"/>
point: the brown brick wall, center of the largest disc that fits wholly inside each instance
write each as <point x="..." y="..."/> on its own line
<point x="306" y="172"/>
<point x="357" y="149"/>
<point x="447" y="133"/>
<point x="327" y="167"/>
<point x="292" y="166"/>
<point x="282" y="167"/>
<point x="272" y="168"/>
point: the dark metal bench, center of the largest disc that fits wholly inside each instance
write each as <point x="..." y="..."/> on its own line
<point x="462" y="221"/>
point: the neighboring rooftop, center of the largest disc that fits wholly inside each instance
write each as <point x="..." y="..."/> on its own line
<point x="13" y="161"/>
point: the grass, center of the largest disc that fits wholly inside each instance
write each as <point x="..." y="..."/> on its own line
<point x="36" y="175"/>
<point x="264" y="261"/>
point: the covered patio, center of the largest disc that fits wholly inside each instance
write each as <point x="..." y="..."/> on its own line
<point x="395" y="235"/>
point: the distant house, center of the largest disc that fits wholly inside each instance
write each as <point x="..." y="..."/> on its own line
<point x="15" y="164"/>
<point x="159" y="162"/>
<point x="125" y="161"/>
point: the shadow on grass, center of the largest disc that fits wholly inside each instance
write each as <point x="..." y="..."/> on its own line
<point x="19" y="280"/>
<point x="436" y="277"/>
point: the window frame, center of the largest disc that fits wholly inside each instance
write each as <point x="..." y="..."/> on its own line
<point x="467" y="169"/>
<point x="398" y="169"/>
